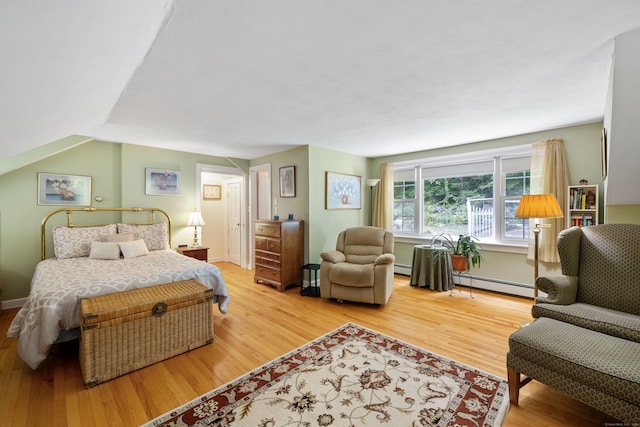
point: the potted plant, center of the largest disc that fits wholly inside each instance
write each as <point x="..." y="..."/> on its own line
<point x="465" y="252"/>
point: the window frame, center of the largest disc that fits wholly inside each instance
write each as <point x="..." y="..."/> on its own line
<point x="497" y="156"/>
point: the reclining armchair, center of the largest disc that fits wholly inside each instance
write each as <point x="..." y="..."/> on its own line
<point x="361" y="267"/>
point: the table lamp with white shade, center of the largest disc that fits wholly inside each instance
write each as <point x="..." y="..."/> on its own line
<point x="195" y="221"/>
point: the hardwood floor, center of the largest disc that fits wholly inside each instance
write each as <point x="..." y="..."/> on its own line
<point x="263" y="324"/>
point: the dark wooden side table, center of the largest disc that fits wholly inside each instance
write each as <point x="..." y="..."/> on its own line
<point x="313" y="289"/>
<point x="200" y="252"/>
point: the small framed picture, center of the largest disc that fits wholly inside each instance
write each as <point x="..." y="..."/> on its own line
<point x="162" y="182"/>
<point x="211" y="192"/>
<point x="288" y="181"/>
<point x="67" y="190"/>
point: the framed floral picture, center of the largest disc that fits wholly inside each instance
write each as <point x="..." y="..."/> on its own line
<point x="162" y="182"/>
<point x="66" y="190"/>
<point x="342" y="191"/>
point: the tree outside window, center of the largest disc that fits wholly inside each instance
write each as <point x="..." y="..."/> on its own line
<point x="445" y="202"/>
<point x="474" y="194"/>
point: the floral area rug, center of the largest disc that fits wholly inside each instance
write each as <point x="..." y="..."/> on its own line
<point x="352" y="376"/>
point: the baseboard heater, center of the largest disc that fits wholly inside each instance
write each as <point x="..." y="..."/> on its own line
<point x="485" y="283"/>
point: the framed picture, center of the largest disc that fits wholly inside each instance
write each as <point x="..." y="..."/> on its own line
<point x="211" y="192"/>
<point x="603" y="152"/>
<point x="342" y="191"/>
<point x="288" y="181"/>
<point x="66" y="190"/>
<point x="162" y="182"/>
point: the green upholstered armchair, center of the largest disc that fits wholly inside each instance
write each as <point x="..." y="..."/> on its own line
<point x="361" y="267"/>
<point x="599" y="287"/>
<point x="585" y="340"/>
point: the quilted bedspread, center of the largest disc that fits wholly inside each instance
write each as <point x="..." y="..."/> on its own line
<point x="59" y="284"/>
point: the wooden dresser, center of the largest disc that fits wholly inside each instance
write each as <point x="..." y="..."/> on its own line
<point x="279" y="252"/>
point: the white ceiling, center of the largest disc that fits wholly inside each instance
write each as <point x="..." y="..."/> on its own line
<point x="245" y="78"/>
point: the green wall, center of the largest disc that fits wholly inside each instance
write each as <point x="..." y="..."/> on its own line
<point x="118" y="172"/>
<point x="622" y="214"/>
<point x="582" y="148"/>
<point x="299" y="205"/>
<point x="326" y="224"/>
<point x="118" y="175"/>
<point x="20" y="160"/>
<point x="321" y="225"/>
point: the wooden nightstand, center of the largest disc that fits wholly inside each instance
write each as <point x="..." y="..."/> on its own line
<point x="200" y="252"/>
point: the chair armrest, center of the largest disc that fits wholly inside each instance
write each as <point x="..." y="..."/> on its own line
<point x="385" y="259"/>
<point x="561" y="290"/>
<point x="333" y="256"/>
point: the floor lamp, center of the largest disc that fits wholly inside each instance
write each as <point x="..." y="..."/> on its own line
<point x="372" y="183"/>
<point x="538" y="206"/>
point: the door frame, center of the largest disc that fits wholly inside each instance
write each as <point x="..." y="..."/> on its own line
<point x="253" y="204"/>
<point x="225" y="170"/>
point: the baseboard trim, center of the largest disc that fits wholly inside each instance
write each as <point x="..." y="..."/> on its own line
<point x="484" y="283"/>
<point x="493" y="285"/>
<point x="13" y="303"/>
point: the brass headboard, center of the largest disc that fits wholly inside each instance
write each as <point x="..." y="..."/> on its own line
<point x="70" y="224"/>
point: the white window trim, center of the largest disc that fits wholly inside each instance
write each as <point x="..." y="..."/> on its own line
<point x="502" y="245"/>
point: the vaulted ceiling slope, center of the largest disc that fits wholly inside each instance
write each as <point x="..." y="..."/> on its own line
<point x="246" y="78"/>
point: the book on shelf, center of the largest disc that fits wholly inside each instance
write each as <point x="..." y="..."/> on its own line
<point x="582" y="220"/>
<point x="578" y="199"/>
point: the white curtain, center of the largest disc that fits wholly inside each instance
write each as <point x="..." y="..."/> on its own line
<point x="549" y="176"/>
<point x="383" y="210"/>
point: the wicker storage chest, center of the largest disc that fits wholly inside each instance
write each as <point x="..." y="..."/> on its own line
<point x="129" y="330"/>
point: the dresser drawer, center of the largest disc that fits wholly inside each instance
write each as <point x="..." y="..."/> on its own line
<point x="268" y="259"/>
<point x="266" y="262"/>
<point x="261" y="243"/>
<point x="271" y="256"/>
<point x="264" y="244"/>
<point x="270" y="230"/>
<point x="268" y="273"/>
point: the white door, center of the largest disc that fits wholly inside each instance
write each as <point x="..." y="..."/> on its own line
<point x="234" y="218"/>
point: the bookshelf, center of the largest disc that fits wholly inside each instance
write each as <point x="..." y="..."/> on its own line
<point x="582" y="205"/>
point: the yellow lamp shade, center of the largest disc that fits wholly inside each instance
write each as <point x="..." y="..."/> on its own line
<point x="539" y="206"/>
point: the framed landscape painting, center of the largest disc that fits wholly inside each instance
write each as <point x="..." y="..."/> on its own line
<point x="65" y="190"/>
<point x="342" y="191"/>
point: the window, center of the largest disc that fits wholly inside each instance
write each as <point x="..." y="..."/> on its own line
<point x="404" y="204"/>
<point x="516" y="184"/>
<point x="475" y="193"/>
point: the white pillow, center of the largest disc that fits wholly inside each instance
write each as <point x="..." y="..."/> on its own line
<point x="104" y="250"/>
<point x="155" y="236"/>
<point x="76" y="242"/>
<point x="134" y="248"/>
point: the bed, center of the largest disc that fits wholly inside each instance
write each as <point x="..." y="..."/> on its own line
<point x="92" y="260"/>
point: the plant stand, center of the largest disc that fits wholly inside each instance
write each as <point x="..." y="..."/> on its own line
<point x="459" y="273"/>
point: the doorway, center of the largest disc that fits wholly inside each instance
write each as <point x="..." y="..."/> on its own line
<point x="260" y="199"/>
<point x="225" y="233"/>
